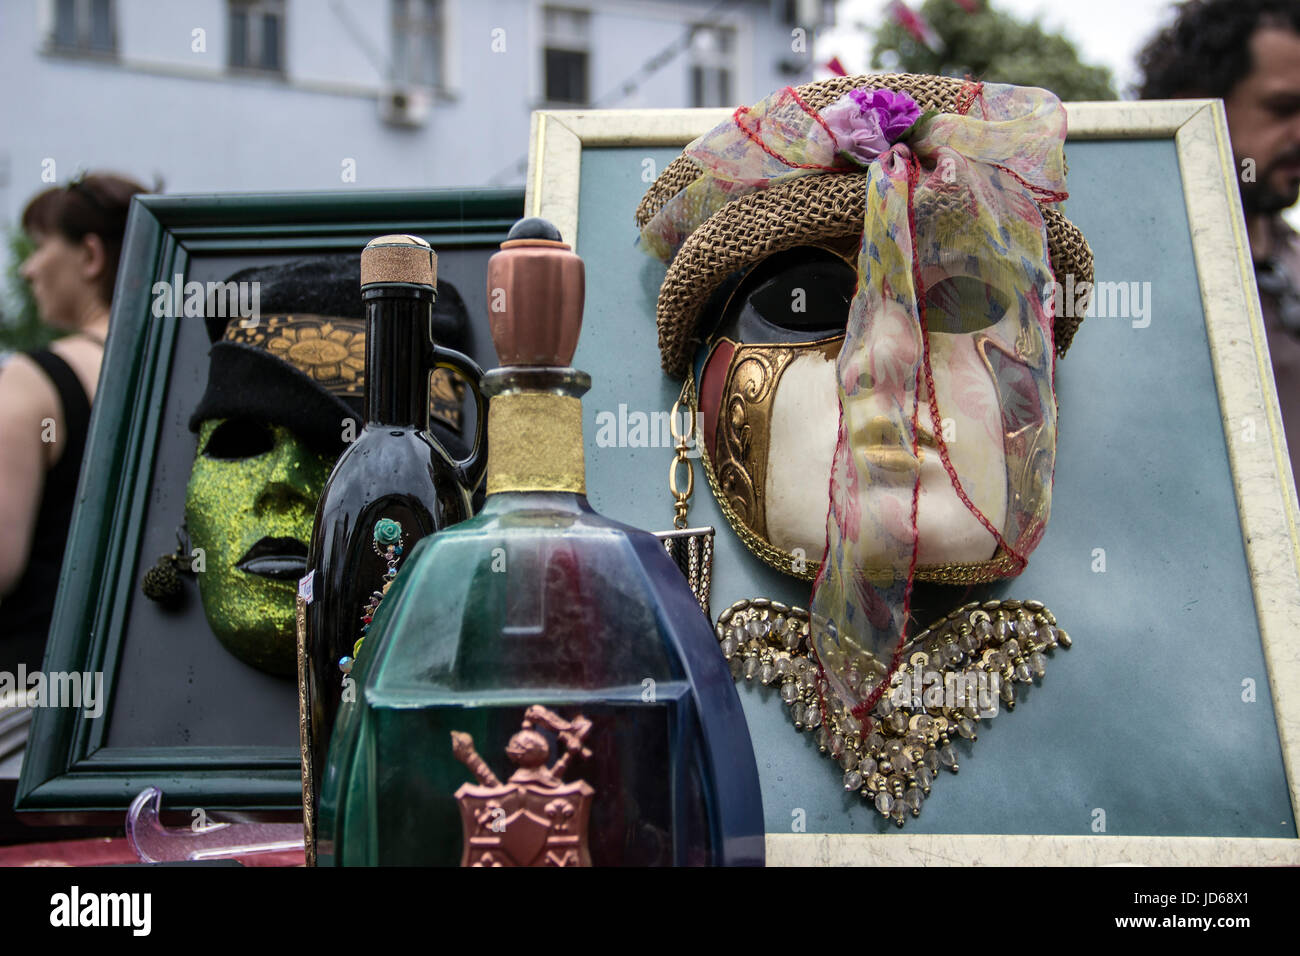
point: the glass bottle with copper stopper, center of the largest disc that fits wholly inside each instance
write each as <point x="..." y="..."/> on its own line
<point x="393" y="486"/>
<point x="540" y="686"/>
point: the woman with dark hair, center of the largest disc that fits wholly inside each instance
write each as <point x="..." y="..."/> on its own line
<point x="45" y="397"/>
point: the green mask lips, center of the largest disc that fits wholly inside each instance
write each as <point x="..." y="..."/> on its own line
<point x="249" y="506"/>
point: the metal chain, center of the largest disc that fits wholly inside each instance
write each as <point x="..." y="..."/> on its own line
<point x="682" y="499"/>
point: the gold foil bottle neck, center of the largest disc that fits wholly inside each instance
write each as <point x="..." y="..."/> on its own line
<point x="535" y="443"/>
<point x="399" y="258"/>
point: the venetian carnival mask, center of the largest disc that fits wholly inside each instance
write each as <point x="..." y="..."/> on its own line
<point x="946" y="391"/>
<point x="249" y="504"/>
<point x="770" y="410"/>
<point x="284" y="396"/>
<point x="281" y="398"/>
<point x="860" y="290"/>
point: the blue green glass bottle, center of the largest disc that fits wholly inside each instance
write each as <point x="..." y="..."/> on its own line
<point x="539" y="686"/>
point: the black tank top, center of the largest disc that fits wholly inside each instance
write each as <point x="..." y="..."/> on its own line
<point x="25" y="613"/>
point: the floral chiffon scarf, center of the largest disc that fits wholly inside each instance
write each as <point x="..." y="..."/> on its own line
<point x="953" y="235"/>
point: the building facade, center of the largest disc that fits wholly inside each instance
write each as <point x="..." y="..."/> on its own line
<point x="258" y="95"/>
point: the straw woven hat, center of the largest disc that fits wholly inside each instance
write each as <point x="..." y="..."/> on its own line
<point x="806" y="210"/>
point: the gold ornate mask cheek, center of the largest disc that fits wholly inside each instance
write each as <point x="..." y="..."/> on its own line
<point x="255" y="511"/>
<point x="776" y="413"/>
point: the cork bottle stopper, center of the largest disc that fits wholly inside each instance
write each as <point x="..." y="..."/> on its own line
<point x="536" y="286"/>
<point x="399" y="258"/>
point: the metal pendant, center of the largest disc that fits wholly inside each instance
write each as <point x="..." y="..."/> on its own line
<point x="692" y="549"/>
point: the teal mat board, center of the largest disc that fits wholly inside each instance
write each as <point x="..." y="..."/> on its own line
<point x="1144" y="718"/>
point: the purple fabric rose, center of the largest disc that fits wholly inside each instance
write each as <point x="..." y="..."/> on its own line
<point x="868" y="122"/>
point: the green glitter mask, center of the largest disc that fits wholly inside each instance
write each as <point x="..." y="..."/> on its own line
<point x="249" y="506"/>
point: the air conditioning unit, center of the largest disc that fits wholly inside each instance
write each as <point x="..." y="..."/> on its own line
<point x="405" y="106"/>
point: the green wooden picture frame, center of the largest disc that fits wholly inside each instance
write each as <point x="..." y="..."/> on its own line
<point x="75" y="769"/>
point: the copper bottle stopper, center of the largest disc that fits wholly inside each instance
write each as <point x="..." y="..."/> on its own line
<point x="535" y="285"/>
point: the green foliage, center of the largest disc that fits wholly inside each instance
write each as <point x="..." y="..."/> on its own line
<point x="20" y="324"/>
<point x="993" y="46"/>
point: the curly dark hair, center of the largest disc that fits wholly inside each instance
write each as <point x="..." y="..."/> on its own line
<point x="1206" y="50"/>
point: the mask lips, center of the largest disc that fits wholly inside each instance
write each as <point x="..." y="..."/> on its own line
<point x="281" y="559"/>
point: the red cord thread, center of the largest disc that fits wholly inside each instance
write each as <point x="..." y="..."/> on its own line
<point x="753" y="134"/>
<point x="966" y="98"/>
<point x="815" y="115"/>
<point x="1041" y="193"/>
<point x="1020" y="560"/>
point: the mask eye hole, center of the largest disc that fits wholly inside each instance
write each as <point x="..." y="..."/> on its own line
<point x="798" y="295"/>
<point x="804" y="291"/>
<point x="236" y="439"/>
<point x="960" y="305"/>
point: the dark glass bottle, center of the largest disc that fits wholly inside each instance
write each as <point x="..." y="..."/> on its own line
<point x="545" y="643"/>
<point x="394" y="470"/>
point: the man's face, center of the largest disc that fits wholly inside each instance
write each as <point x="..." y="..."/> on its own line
<point x="250" y="505"/>
<point x="1264" y="121"/>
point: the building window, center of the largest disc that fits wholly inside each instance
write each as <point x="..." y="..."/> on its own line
<point x="807" y="13"/>
<point x="713" y="65"/>
<point x="417" y="43"/>
<point x="257" y="35"/>
<point x="84" y="26"/>
<point x="567" y="55"/>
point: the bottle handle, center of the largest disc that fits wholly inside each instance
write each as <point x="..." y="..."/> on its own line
<point x="474" y="466"/>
